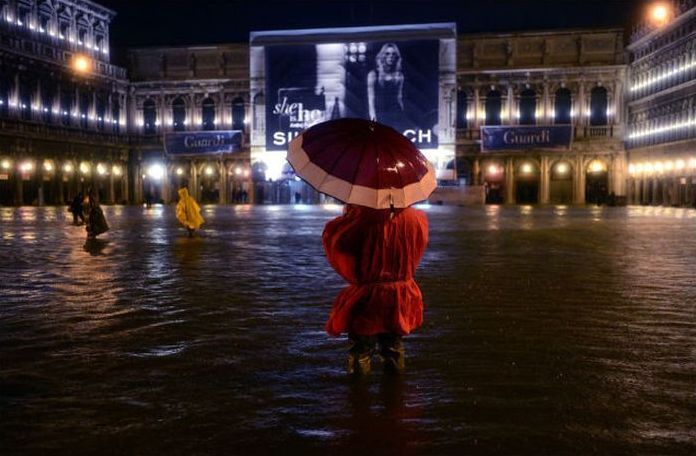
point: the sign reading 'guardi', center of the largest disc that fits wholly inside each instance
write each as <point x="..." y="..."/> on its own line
<point x="203" y="142"/>
<point x="526" y="137"/>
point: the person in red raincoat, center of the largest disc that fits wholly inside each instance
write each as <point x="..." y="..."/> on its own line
<point x="376" y="251"/>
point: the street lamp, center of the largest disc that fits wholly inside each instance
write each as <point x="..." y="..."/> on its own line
<point x="6" y="164"/>
<point x="659" y="13"/>
<point x="81" y="64"/>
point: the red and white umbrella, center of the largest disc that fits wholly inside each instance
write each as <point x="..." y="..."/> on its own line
<point x="362" y="162"/>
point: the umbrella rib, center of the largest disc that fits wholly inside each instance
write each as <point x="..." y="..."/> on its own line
<point x="357" y="169"/>
<point x="398" y="174"/>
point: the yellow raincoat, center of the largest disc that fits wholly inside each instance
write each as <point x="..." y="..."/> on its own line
<point x="188" y="211"/>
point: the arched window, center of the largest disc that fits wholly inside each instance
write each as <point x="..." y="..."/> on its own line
<point x="84" y="109"/>
<point x="149" y="116"/>
<point x="493" y="106"/>
<point x="238" y="113"/>
<point x="179" y="114"/>
<point x="598" y="106"/>
<point x="101" y="110"/>
<point x="115" y="114"/>
<point x="562" y="107"/>
<point x="528" y="107"/>
<point x="25" y="90"/>
<point x="47" y="95"/>
<point x="461" y="109"/>
<point x="208" y="114"/>
<point x="67" y="99"/>
<point x="5" y="86"/>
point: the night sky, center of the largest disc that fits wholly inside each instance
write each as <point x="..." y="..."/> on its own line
<point x="182" y="22"/>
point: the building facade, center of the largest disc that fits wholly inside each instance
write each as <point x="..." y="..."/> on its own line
<point x="65" y="129"/>
<point x="570" y="78"/>
<point x="62" y="129"/>
<point x="661" y="109"/>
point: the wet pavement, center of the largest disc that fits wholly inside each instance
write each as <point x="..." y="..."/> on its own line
<point x="548" y="331"/>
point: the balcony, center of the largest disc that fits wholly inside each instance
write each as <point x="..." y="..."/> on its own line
<point x="29" y="129"/>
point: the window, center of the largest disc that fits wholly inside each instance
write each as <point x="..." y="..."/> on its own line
<point x="179" y="114"/>
<point x="84" y="110"/>
<point x="47" y="95"/>
<point x="598" y="106"/>
<point x="208" y="114"/>
<point x="115" y="114"/>
<point x="25" y="91"/>
<point x="461" y="109"/>
<point x="149" y="117"/>
<point x="562" y="107"/>
<point x="528" y="107"/>
<point x="238" y="114"/>
<point x="493" y="107"/>
<point x="66" y="104"/>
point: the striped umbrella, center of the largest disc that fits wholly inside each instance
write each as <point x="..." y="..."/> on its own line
<point x="362" y="162"/>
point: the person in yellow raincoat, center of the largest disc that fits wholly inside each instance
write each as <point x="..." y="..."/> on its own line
<point x="188" y="212"/>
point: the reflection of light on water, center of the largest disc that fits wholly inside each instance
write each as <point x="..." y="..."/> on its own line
<point x="302" y="207"/>
<point x="332" y="207"/>
<point x="8" y="236"/>
<point x="560" y="210"/>
<point x="27" y="214"/>
<point x="29" y="236"/>
<point x="525" y="210"/>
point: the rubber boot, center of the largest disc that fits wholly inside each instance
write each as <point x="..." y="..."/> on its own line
<point x="360" y="355"/>
<point x="392" y="352"/>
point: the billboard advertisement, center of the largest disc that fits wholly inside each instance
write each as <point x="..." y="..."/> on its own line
<point x="203" y="142"/>
<point x="393" y="81"/>
<point x="526" y="137"/>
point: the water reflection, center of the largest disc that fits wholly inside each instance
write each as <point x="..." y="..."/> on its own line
<point x="571" y="335"/>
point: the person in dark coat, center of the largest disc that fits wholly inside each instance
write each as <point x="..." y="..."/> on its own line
<point x="96" y="222"/>
<point x="76" y="209"/>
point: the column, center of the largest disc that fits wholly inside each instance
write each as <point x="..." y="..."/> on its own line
<point x="580" y="111"/>
<point x="193" y="181"/>
<point x="110" y="194"/>
<point x="124" y="187"/>
<point x="164" y="185"/>
<point x="223" y="182"/>
<point x="138" y="185"/>
<point x="509" y="181"/>
<point x="579" y="181"/>
<point x="510" y="106"/>
<point x="477" y="105"/>
<point x="546" y="112"/>
<point x="476" y="172"/>
<point x="544" y="180"/>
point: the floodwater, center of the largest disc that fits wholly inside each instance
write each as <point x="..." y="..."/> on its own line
<point x="548" y="330"/>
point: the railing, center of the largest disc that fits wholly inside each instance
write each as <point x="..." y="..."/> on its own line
<point x="56" y="131"/>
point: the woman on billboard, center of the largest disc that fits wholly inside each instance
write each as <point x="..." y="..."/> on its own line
<point x="385" y="86"/>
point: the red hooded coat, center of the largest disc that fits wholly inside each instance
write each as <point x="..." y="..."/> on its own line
<point x="377" y="254"/>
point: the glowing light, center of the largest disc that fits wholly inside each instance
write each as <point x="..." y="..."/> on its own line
<point x="631" y="169"/>
<point x="493" y="170"/>
<point x="526" y="168"/>
<point x="179" y="171"/>
<point x="657" y="166"/>
<point x="85" y="168"/>
<point x="680" y="164"/>
<point x="101" y="169"/>
<point x="48" y="166"/>
<point x="246" y="173"/>
<point x="6" y="164"/>
<point x="669" y="166"/>
<point x="116" y="170"/>
<point x="562" y="168"/>
<point x="155" y="171"/>
<point x="238" y="171"/>
<point x="68" y="168"/>
<point x="26" y="167"/>
<point x="208" y="170"/>
<point x="692" y="163"/>
<point x="659" y="13"/>
<point x="597" y="166"/>
<point x="81" y="63"/>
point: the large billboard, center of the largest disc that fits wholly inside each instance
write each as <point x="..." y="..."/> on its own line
<point x="391" y="78"/>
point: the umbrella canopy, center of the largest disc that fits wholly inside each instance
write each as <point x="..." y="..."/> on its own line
<point x="362" y="162"/>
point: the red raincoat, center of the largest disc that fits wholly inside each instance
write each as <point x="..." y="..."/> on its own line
<point x="378" y="256"/>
